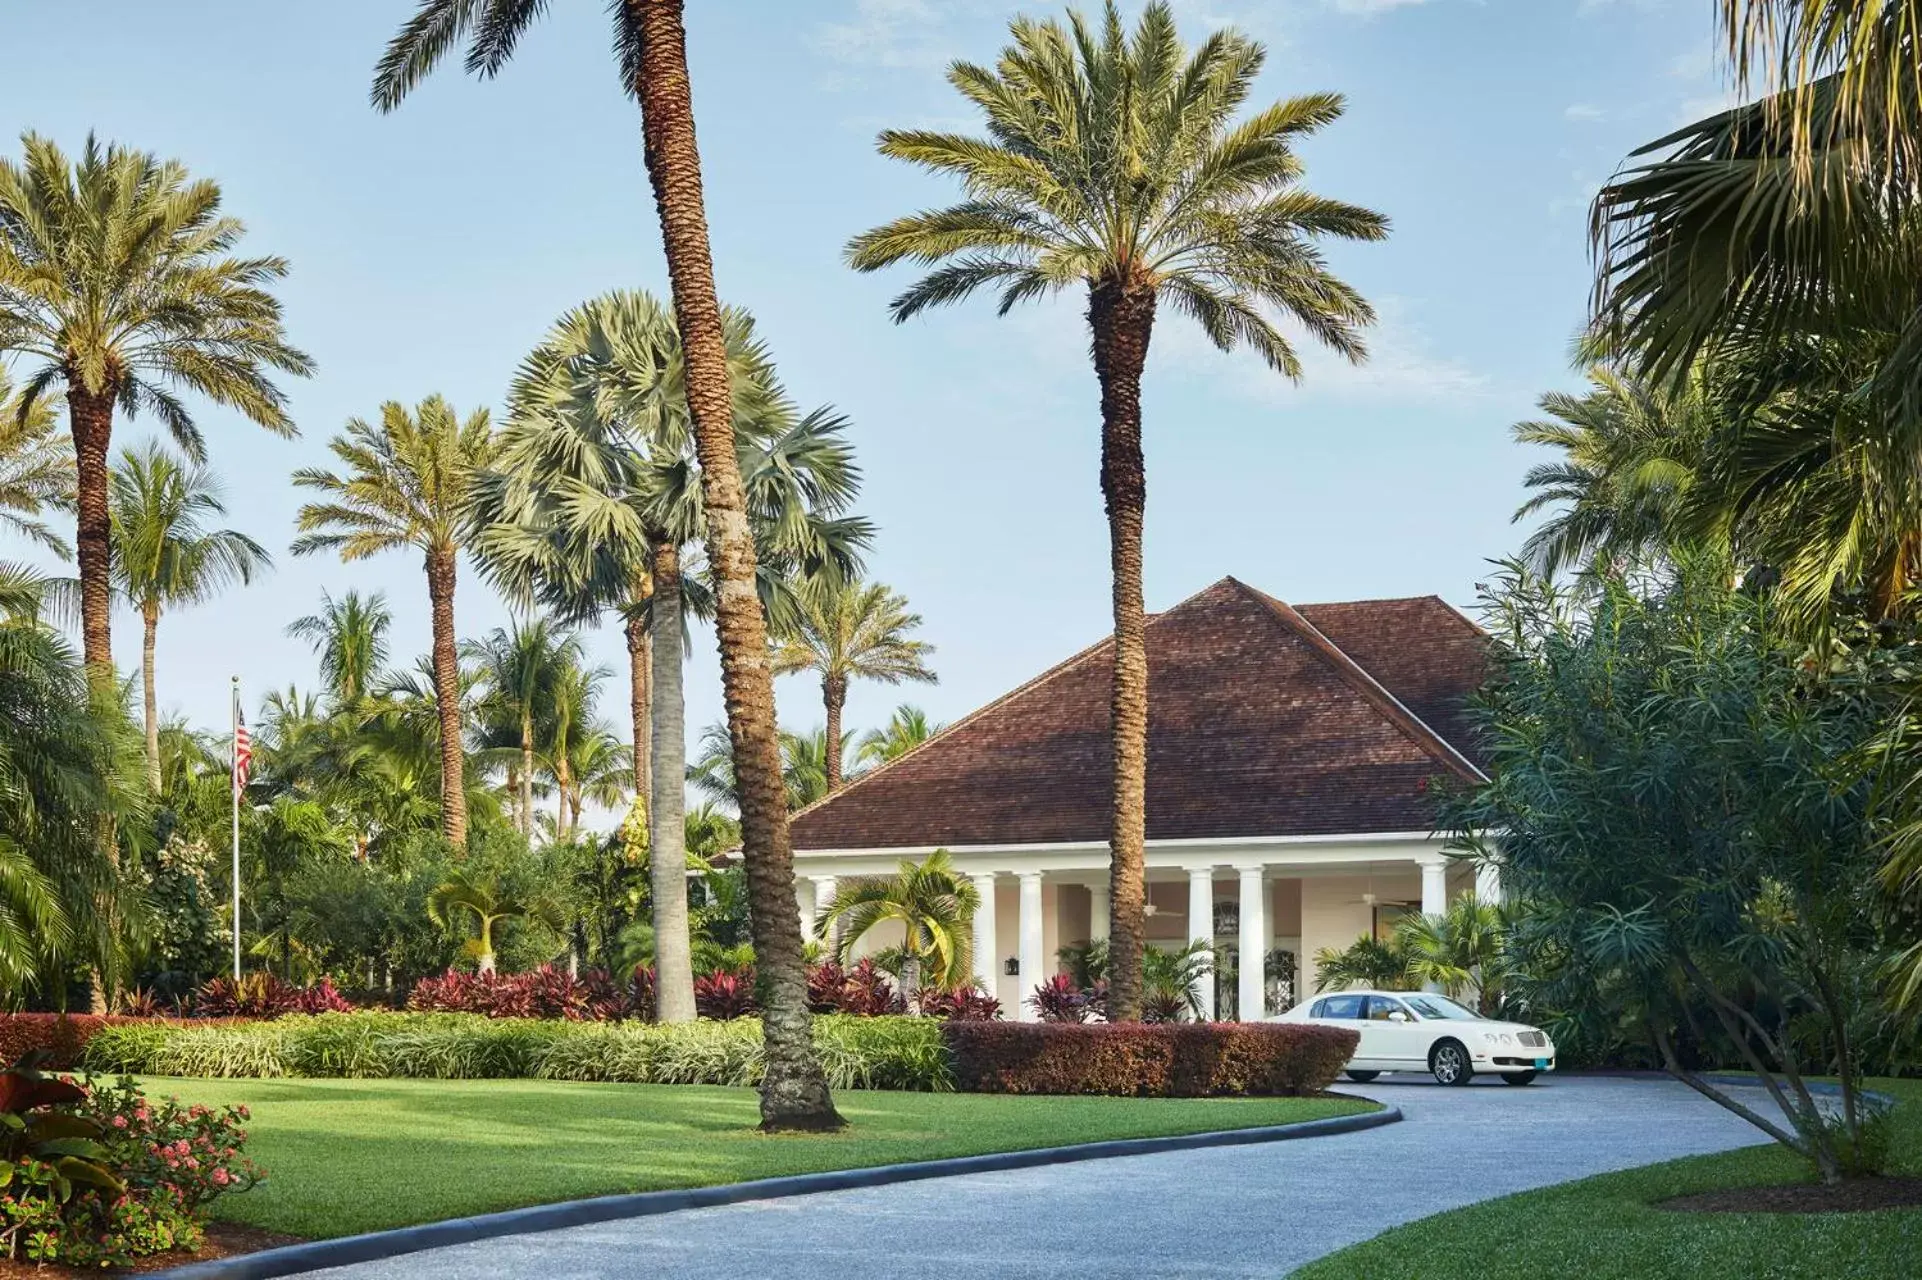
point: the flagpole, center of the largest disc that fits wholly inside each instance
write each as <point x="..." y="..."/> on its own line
<point x="233" y="785"/>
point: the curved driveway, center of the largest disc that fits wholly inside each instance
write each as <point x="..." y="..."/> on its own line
<point x="1220" y="1212"/>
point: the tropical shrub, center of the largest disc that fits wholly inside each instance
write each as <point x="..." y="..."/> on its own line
<point x="966" y="1004"/>
<point x="862" y="989"/>
<point x="1061" y="999"/>
<point x="545" y="992"/>
<point x="95" y="1175"/>
<point x="723" y="995"/>
<point x="264" y="995"/>
<point x="860" y="1052"/>
<point x="1184" y="1060"/>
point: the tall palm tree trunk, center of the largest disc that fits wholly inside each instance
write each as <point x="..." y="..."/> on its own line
<point x="834" y="692"/>
<point x="667" y="805"/>
<point x="1121" y="315"/>
<point x="527" y="772"/>
<point x="563" y="787"/>
<point x="794" y="1092"/>
<point x="640" y="693"/>
<point x="90" y="418"/>
<point x="150" y="627"/>
<point x="453" y="755"/>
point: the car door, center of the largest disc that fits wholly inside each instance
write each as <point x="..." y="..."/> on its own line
<point x="1343" y="1011"/>
<point x="1391" y="1036"/>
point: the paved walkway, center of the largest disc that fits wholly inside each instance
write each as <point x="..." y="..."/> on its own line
<point x="1221" y="1212"/>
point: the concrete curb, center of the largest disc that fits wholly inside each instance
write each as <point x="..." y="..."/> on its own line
<point x="297" y="1258"/>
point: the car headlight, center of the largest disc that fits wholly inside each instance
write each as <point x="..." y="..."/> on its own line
<point x="1498" y="1037"/>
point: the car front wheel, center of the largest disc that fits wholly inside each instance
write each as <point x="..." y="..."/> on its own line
<point x="1518" y="1077"/>
<point x="1362" y="1077"/>
<point x="1449" y="1063"/>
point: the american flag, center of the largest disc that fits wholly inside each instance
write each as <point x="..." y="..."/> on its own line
<point x="243" y="752"/>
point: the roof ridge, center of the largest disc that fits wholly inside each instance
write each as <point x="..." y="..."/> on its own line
<point x="1372" y="690"/>
<point x="1059" y="668"/>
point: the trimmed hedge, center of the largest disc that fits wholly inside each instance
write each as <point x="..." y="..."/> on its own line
<point x="65" y="1036"/>
<point x="856" y="1052"/>
<point x="1150" y="1060"/>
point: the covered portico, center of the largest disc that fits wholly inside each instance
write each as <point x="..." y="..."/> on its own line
<point x="1291" y="759"/>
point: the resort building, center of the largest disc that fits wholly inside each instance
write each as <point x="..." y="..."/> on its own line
<point x="1293" y="759"/>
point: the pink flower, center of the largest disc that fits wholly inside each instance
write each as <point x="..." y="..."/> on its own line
<point x="221" y="1177"/>
<point x="120" y="1122"/>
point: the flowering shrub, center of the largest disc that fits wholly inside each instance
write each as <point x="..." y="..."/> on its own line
<point x="262" y="995"/>
<point x="96" y="1175"/>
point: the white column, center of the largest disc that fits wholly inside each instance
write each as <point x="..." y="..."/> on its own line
<point x="823" y="900"/>
<point x="1488" y="883"/>
<point x="985" y="961"/>
<point x="1254" y="934"/>
<point x="1201" y="927"/>
<point x="1098" y="912"/>
<point x="1434" y="886"/>
<point x="804" y="898"/>
<point x="1030" y="954"/>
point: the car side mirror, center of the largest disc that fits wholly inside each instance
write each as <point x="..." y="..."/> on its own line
<point x="1397" y="1016"/>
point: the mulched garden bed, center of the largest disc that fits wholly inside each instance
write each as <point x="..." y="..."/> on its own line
<point x="1858" y="1195"/>
<point x="224" y="1239"/>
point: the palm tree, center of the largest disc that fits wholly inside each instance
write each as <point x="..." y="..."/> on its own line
<point x="852" y="631"/>
<point x="350" y="637"/>
<point x="1366" y="962"/>
<point x="907" y="729"/>
<point x="598" y="497"/>
<point x="931" y="904"/>
<point x="1465" y="946"/>
<point x="36" y="468"/>
<point x="650" y="52"/>
<point x="1630" y="453"/>
<point x="410" y="483"/>
<point x="121" y="284"/>
<point x="1111" y="164"/>
<point x="481" y="897"/>
<point x="521" y="669"/>
<point x="166" y="557"/>
<point x="571" y="727"/>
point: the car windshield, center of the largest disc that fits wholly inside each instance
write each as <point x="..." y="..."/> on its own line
<point x="1441" y="1008"/>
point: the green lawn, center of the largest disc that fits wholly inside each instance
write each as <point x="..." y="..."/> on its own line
<point x="345" y="1156"/>
<point x="1604" y="1228"/>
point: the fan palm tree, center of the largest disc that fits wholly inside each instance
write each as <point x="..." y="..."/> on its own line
<point x="409" y="483"/>
<point x="1112" y="164"/>
<point x="1630" y="452"/>
<point x="852" y="631"/>
<point x="117" y="277"/>
<point x="350" y="637"/>
<point x="481" y="898"/>
<point x="36" y="468"/>
<point x="166" y="557"/>
<point x="650" y="54"/>
<point x="907" y="729"/>
<point x="931" y="904"/>
<point x="598" y="498"/>
<point x="522" y="669"/>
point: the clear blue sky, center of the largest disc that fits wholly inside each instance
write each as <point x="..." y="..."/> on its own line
<point x="432" y="248"/>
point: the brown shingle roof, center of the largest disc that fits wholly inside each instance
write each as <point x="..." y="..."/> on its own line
<point x="1263" y="721"/>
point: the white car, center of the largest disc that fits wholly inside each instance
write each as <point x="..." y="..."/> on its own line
<point x="1419" y="1031"/>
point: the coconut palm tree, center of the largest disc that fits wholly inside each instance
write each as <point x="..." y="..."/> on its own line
<point x="1112" y="164"/>
<point x="409" y="483"/>
<point x="931" y="904"/>
<point x="522" y="669"/>
<point x="481" y="897"/>
<point x="165" y="556"/>
<point x="852" y="631"/>
<point x="598" y="499"/>
<point x="907" y="729"/>
<point x="350" y="637"/>
<point x="122" y="288"/>
<point x="571" y="726"/>
<point x="36" y="468"/>
<point x="1365" y="962"/>
<point x="1629" y="455"/>
<point x="650" y="53"/>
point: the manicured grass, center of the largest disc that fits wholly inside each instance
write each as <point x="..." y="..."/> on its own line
<point x="345" y="1156"/>
<point x="1604" y="1228"/>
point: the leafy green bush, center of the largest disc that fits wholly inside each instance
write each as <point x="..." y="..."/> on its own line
<point x="857" y="1052"/>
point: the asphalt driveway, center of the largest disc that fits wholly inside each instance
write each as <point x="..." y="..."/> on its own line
<point x="1222" y="1212"/>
